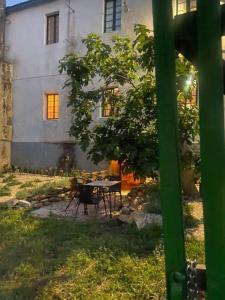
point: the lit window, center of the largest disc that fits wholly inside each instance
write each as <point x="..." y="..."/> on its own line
<point x="194" y="100"/>
<point x="52" y="29"/>
<point x="184" y="6"/>
<point x="52" y="106"/>
<point x="113" y="9"/>
<point x="107" y="104"/>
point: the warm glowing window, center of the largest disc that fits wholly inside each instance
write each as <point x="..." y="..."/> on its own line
<point x="184" y="6"/>
<point x="52" y="29"/>
<point x="193" y="99"/>
<point x="107" y="104"/>
<point x="52" y="106"/>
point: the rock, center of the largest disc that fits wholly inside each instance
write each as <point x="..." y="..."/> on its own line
<point x="126" y="210"/>
<point x="42" y="212"/>
<point x="142" y="219"/>
<point x="135" y="202"/>
<point x="38" y="198"/>
<point x="37" y="205"/>
<point x="125" y="219"/>
<point x="44" y="200"/>
<point x="61" y="190"/>
<point x="140" y="193"/>
<point x="9" y="204"/>
<point x="62" y="195"/>
<point x="23" y="203"/>
<point x="54" y="199"/>
<point x="12" y="202"/>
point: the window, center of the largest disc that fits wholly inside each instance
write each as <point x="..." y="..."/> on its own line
<point x="113" y="9"/>
<point x="52" y="106"/>
<point x="184" y="6"/>
<point x="107" y="104"/>
<point x="52" y="29"/>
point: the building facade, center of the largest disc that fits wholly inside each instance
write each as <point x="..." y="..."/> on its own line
<point x="38" y="34"/>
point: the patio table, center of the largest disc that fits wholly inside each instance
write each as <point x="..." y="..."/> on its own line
<point x="102" y="185"/>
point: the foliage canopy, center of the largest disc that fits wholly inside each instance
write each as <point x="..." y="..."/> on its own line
<point x="128" y="135"/>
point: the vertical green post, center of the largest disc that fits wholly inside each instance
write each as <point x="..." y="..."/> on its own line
<point x="212" y="143"/>
<point x="170" y="187"/>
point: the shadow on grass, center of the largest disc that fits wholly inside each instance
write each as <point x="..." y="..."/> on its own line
<point x="59" y="259"/>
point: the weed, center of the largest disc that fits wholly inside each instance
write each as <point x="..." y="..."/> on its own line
<point x="5" y="191"/>
<point x="28" y="184"/>
<point x="37" y="180"/>
<point x="42" y="189"/>
<point x="10" y="180"/>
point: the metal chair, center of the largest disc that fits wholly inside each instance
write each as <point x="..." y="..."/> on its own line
<point x="115" y="188"/>
<point x="74" y="186"/>
<point x="87" y="196"/>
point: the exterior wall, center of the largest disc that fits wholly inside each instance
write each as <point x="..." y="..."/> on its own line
<point x="46" y="155"/>
<point x="36" y="72"/>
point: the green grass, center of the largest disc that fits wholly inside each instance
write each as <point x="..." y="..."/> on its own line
<point x="11" y="180"/>
<point x="5" y="191"/>
<point x="32" y="190"/>
<point x="59" y="259"/>
<point x="28" y="184"/>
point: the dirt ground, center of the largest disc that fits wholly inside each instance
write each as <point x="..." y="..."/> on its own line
<point x="24" y="178"/>
<point x="198" y="214"/>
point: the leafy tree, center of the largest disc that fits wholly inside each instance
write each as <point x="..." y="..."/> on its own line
<point x="129" y="134"/>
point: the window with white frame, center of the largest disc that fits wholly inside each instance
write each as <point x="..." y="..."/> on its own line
<point x="52" y="30"/>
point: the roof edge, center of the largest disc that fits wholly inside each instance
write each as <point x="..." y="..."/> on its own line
<point x="25" y="5"/>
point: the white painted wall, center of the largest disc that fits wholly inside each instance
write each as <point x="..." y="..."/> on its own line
<point x="36" y="64"/>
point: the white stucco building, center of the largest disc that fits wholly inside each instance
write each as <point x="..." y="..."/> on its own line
<point x="38" y="34"/>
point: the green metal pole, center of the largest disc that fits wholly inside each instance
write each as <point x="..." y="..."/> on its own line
<point x="170" y="187"/>
<point x="212" y="143"/>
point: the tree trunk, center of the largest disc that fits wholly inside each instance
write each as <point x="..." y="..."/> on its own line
<point x="188" y="183"/>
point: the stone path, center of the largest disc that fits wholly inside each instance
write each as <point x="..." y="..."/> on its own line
<point x="59" y="209"/>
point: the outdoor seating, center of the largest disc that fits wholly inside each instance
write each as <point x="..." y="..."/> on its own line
<point x="115" y="188"/>
<point x="74" y="194"/>
<point x="87" y="196"/>
<point x="103" y="189"/>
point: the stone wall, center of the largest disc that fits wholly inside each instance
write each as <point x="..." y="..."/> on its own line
<point x="5" y="114"/>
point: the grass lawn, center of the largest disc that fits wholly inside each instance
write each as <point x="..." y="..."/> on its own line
<point x="60" y="259"/>
<point x="20" y="186"/>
